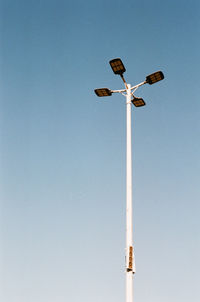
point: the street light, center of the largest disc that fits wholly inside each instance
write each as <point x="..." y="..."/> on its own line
<point x="118" y="68"/>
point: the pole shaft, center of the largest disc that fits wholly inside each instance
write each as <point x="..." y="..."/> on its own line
<point x="129" y="216"/>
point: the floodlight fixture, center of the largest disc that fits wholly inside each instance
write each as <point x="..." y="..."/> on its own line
<point x="117" y="66"/>
<point x="138" y="102"/>
<point x="103" y="92"/>
<point x="154" y="77"/>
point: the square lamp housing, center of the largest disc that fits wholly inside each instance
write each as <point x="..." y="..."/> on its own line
<point x="155" y="77"/>
<point x="103" y="92"/>
<point x="138" y="102"/>
<point x="117" y="66"/>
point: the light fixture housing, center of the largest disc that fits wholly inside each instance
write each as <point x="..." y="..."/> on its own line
<point x="117" y="66"/>
<point x="154" y="77"/>
<point x="103" y="92"/>
<point x="138" y="102"/>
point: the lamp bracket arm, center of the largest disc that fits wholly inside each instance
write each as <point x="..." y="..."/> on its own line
<point x="123" y="79"/>
<point x="134" y="88"/>
<point x="118" y="91"/>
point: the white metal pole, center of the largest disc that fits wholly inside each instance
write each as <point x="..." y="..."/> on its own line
<point x="130" y="264"/>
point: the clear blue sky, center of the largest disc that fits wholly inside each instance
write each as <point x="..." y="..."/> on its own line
<point x="62" y="150"/>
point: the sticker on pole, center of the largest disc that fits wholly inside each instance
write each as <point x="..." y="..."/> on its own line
<point x="131" y="260"/>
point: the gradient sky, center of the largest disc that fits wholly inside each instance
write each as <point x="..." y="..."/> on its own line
<point x="62" y="150"/>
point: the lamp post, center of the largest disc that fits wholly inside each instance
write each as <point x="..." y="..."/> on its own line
<point x="118" y="68"/>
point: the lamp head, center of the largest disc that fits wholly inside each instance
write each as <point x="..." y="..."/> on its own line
<point x="155" y="77"/>
<point x="138" y="102"/>
<point x="117" y="66"/>
<point x="103" y="92"/>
